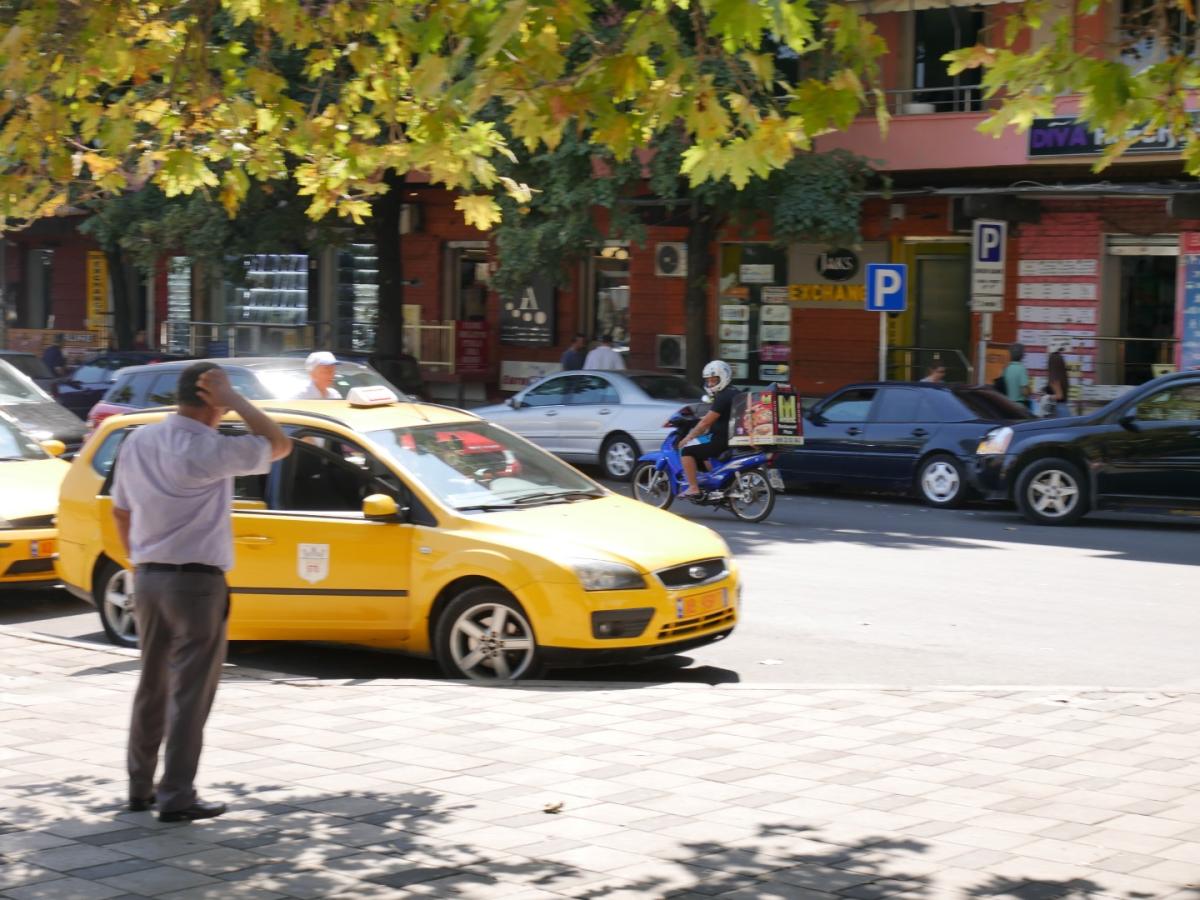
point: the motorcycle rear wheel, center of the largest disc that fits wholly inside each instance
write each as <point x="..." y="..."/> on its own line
<point x="750" y="497"/>
<point x="652" y="485"/>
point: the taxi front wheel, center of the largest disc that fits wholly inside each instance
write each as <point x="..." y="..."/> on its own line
<point x="113" y="593"/>
<point x="484" y="635"/>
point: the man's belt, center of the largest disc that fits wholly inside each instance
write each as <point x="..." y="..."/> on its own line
<point x="181" y="567"/>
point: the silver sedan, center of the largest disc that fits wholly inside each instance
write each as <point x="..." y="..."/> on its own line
<point x="596" y="416"/>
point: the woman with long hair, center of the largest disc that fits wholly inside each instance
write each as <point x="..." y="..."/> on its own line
<point x="1057" y="403"/>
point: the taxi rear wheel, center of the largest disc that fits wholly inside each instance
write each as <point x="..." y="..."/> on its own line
<point x="484" y="635"/>
<point x="113" y="593"/>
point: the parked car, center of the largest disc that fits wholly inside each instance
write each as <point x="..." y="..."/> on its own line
<point x="900" y="437"/>
<point x="1139" y="452"/>
<point x="259" y="378"/>
<point x="30" y="478"/>
<point x="31" y="365"/>
<point x="384" y="527"/>
<point x="80" y="390"/>
<point x="596" y="416"/>
<point x="36" y="412"/>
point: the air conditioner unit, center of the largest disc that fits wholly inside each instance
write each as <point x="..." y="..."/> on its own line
<point x="670" y="351"/>
<point x="670" y="259"/>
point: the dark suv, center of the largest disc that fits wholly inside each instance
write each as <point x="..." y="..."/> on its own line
<point x="1140" y="452"/>
<point x="80" y="390"/>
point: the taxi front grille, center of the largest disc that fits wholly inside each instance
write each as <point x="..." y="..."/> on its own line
<point x="30" y="566"/>
<point x="695" y="625"/>
<point x="693" y="574"/>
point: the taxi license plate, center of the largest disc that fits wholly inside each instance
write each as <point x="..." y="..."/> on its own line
<point x="42" y="549"/>
<point x="775" y="479"/>
<point x="700" y="604"/>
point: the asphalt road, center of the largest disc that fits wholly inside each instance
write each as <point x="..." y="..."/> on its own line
<point x="862" y="590"/>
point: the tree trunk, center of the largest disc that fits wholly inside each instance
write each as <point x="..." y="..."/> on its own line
<point x="385" y="221"/>
<point x="121" y="336"/>
<point x="702" y="231"/>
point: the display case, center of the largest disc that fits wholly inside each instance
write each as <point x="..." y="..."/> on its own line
<point x="357" y="297"/>
<point x="273" y="290"/>
<point x="178" y="338"/>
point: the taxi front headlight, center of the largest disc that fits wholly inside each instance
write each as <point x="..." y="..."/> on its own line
<point x="995" y="442"/>
<point x="603" y="575"/>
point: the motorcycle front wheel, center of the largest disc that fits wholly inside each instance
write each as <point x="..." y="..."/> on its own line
<point x="652" y="485"/>
<point x="751" y="497"/>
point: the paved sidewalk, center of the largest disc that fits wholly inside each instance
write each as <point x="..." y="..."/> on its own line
<point x="396" y="789"/>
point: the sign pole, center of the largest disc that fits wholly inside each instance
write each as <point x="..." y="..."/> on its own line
<point x="985" y="335"/>
<point x="883" y="341"/>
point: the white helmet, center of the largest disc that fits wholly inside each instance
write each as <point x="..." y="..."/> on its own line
<point x="718" y="369"/>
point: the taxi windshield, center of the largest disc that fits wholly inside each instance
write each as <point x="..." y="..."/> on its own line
<point x="15" y="444"/>
<point x="16" y="388"/>
<point x="477" y="467"/>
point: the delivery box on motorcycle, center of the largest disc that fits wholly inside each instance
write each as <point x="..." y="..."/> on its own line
<point x="769" y="417"/>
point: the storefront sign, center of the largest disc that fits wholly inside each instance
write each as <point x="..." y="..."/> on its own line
<point x="837" y="265"/>
<point x="732" y="312"/>
<point x="470" y="348"/>
<point x="1070" y="137"/>
<point x="834" y="294"/>
<point x="97" y="290"/>
<point x="529" y="319"/>
<point x="773" y="294"/>
<point x="756" y="273"/>
<point x="1188" y="326"/>
<point x="1057" y="290"/>
<point x="515" y="375"/>
<point x="1056" y="314"/>
<point x="1043" y="267"/>
<point x="734" y="332"/>
<point x="775" y="353"/>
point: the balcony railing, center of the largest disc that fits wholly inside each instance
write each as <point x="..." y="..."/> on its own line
<point x="928" y="101"/>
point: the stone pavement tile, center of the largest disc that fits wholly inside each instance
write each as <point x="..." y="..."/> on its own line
<point x="985" y="838"/>
<point x="822" y="878"/>
<point x="1149" y="825"/>
<point x="64" y="889"/>
<point x="221" y="892"/>
<point x="1178" y="873"/>
<point x="77" y="856"/>
<point x="17" y="843"/>
<point x="156" y="880"/>
<point x="79" y="828"/>
<point x="1126" y="863"/>
<point x="771" y="889"/>
<point x="129" y="864"/>
<point x="16" y="872"/>
<point x="217" y="861"/>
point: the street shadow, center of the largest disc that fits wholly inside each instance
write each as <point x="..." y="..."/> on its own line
<point x="301" y="841"/>
<point x="19" y="606"/>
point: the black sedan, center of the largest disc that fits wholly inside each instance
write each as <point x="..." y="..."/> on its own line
<point x="899" y="437"/>
<point x="1140" y="452"/>
<point x="35" y="410"/>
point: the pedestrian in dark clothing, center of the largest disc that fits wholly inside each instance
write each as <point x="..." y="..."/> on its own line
<point x="171" y="497"/>
<point x="576" y="353"/>
<point x="53" y="357"/>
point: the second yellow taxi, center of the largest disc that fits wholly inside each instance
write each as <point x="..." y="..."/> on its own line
<point x="29" y="483"/>
<point x="426" y="529"/>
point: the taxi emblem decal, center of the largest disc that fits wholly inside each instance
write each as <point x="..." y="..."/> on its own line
<point x="312" y="562"/>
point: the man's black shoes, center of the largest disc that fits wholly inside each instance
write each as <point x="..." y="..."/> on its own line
<point x="198" y="810"/>
<point x="141" y="804"/>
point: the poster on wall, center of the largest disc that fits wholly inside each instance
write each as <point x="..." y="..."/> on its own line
<point x="470" y="348"/>
<point x="528" y="319"/>
<point x="1188" y="326"/>
<point x="735" y="312"/>
<point x="730" y="351"/>
<point x="97" y="290"/>
<point x="734" y="332"/>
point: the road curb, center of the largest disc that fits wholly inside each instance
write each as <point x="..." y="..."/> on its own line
<point x="616" y="686"/>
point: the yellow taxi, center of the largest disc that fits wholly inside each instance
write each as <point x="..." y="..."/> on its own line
<point x="426" y="529"/>
<point x="30" y="477"/>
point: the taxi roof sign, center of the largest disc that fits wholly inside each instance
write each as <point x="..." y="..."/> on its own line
<point x="371" y="395"/>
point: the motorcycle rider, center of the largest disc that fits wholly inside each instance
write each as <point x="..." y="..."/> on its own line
<point x="710" y="437"/>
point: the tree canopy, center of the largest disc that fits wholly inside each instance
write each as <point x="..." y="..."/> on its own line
<point x="213" y="95"/>
<point x="1137" y="81"/>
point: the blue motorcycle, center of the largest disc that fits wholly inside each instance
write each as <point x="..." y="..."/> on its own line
<point x="741" y="481"/>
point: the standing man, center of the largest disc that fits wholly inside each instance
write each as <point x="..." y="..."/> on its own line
<point x="604" y="356"/>
<point x="935" y="372"/>
<point x="1016" y="376"/>
<point x="171" y="498"/>
<point x="322" y="367"/>
<point x="54" y="359"/>
<point x="574" y="356"/>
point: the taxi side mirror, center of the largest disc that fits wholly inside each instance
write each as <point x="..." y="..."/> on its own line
<point x="382" y="508"/>
<point x="53" y="447"/>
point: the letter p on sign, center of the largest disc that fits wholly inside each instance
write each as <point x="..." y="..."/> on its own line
<point x="887" y="287"/>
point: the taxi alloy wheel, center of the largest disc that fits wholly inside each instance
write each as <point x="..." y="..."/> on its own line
<point x="484" y="635"/>
<point x="115" y="601"/>
<point x="652" y="485"/>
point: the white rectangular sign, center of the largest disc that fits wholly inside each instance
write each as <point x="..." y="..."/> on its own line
<point x="987" y="303"/>
<point x="1056" y="314"/>
<point x="1057" y="290"/>
<point x="515" y="375"/>
<point x="1044" y="267"/>
<point x="989" y="239"/>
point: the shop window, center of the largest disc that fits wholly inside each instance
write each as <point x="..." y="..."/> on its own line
<point x="468" y="282"/>
<point x="357" y="296"/>
<point x="37" y="306"/>
<point x="1149" y="32"/>
<point x="754" y="330"/>
<point x="1147" y="317"/>
<point x="936" y="33"/>
<point x="610" y="293"/>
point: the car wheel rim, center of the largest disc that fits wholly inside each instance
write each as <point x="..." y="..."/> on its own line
<point x="1053" y="493"/>
<point x="941" y="481"/>
<point x="751" y="496"/>
<point x="651" y="486"/>
<point x="492" y="642"/>
<point x="619" y="459"/>
<point x="119" y="606"/>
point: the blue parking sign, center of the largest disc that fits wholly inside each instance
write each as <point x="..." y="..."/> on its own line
<point x="887" y="287"/>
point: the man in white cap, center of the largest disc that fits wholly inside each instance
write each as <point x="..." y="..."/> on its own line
<point x="322" y="366"/>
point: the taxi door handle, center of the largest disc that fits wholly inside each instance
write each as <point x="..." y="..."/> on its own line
<point x="854" y="430"/>
<point x="255" y="540"/>
<point x="552" y="412"/>
<point x="605" y="412"/>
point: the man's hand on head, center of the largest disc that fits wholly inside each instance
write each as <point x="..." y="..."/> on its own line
<point x="216" y="390"/>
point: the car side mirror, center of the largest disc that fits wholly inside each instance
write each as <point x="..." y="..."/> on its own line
<point x="1128" y="421"/>
<point x="53" y="447"/>
<point x="383" y="508"/>
<point x="514" y="403"/>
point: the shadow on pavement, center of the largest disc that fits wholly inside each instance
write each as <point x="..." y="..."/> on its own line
<point x="314" y="843"/>
<point x="19" y="605"/>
